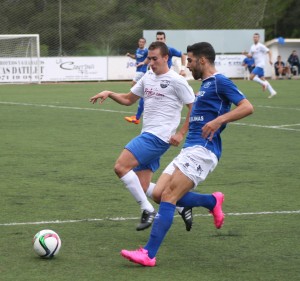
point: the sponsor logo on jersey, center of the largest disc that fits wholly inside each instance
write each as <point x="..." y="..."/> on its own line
<point x="164" y="83"/>
<point x="196" y="118"/>
<point x="206" y="85"/>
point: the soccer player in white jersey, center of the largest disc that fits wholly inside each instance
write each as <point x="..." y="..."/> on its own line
<point x="200" y="154"/>
<point x="258" y="52"/>
<point x="164" y="92"/>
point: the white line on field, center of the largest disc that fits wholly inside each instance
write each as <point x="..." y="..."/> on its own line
<point x="64" y="107"/>
<point x="278" y="127"/>
<point x="136" y="218"/>
<point x="277" y="107"/>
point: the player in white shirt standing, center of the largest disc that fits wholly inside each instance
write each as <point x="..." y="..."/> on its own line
<point x="258" y="52"/>
<point x="164" y="92"/>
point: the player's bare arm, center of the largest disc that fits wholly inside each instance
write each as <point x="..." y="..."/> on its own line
<point x="146" y="61"/>
<point x="270" y="58"/>
<point x="243" y="109"/>
<point x="124" y="99"/>
<point x="131" y="56"/>
<point x="183" y="67"/>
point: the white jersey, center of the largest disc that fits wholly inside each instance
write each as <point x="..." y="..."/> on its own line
<point x="258" y="52"/>
<point x="164" y="96"/>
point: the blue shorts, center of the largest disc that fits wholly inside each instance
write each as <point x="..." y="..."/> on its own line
<point x="147" y="149"/>
<point x="258" y="71"/>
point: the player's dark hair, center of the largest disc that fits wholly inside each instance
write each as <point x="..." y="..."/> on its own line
<point x="164" y="50"/>
<point x="203" y="49"/>
<point x="257" y="34"/>
<point x="161" y="33"/>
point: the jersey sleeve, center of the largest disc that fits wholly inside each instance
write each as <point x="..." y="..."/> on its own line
<point x="184" y="91"/>
<point x="264" y="48"/>
<point x="228" y="90"/>
<point x="138" y="88"/>
<point x="174" y="53"/>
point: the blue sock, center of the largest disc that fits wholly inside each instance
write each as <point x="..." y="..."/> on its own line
<point x="140" y="109"/>
<point x="193" y="199"/>
<point x="161" y="225"/>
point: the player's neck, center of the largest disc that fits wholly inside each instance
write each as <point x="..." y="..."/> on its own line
<point x="210" y="72"/>
<point x="163" y="71"/>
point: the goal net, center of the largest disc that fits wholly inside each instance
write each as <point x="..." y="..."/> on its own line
<point x="20" y="58"/>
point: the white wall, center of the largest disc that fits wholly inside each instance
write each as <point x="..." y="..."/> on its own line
<point x="232" y="41"/>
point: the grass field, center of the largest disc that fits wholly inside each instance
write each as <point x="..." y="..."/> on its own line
<point x="56" y="172"/>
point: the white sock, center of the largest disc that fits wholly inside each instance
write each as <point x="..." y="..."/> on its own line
<point x="150" y="190"/>
<point x="258" y="80"/>
<point x="133" y="184"/>
<point x="270" y="89"/>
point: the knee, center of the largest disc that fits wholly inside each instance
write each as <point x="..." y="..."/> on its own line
<point x="119" y="170"/>
<point x="156" y="196"/>
<point x="168" y="196"/>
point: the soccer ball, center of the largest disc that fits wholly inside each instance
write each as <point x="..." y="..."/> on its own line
<point x="46" y="243"/>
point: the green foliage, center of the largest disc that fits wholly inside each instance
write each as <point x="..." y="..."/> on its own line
<point x="57" y="158"/>
<point x="98" y="26"/>
<point x="275" y="18"/>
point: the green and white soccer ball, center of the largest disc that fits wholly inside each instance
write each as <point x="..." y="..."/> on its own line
<point x="46" y="243"/>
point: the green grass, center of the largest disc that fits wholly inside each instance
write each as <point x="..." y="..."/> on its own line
<point x="56" y="163"/>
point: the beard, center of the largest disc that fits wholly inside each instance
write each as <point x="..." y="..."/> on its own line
<point x="197" y="74"/>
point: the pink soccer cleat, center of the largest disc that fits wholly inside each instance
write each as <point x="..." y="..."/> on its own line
<point x="217" y="210"/>
<point x="139" y="256"/>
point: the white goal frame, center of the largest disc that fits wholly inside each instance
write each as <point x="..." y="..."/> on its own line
<point x="20" y="58"/>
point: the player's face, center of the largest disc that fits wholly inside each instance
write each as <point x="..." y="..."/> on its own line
<point x="194" y="65"/>
<point x="158" y="63"/>
<point x="141" y="43"/>
<point x="160" y="38"/>
<point x="255" y="38"/>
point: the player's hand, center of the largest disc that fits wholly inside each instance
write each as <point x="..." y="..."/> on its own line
<point x="210" y="128"/>
<point x="182" y="73"/>
<point x="176" y="139"/>
<point x="102" y="96"/>
<point x="271" y="63"/>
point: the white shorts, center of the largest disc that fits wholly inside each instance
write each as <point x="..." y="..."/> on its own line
<point x="138" y="76"/>
<point x="195" y="162"/>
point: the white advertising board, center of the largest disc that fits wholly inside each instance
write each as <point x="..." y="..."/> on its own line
<point x="120" y="68"/>
<point x="231" y="66"/>
<point x="53" y="69"/>
<point x="19" y="70"/>
<point x="74" y="69"/>
<point x="60" y="69"/>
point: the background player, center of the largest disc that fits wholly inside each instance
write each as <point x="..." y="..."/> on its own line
<point x="140" y="55"/>
<point x="258" y="51"/>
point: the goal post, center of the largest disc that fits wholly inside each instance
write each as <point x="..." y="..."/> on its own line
<point x="20" y="58"/>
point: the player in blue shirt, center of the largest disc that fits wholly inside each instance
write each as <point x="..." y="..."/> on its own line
<point x="140" y="56"/>
<point x="200" y="154"/>
<point x="249" y="63"/>
<point x="160" y="36"/>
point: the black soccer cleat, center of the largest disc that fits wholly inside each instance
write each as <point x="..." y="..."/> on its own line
<point x="146" y="220"/>
<point x="187" y="216"/>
